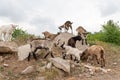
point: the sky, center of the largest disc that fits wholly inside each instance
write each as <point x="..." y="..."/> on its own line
<point x="37" y="16"/>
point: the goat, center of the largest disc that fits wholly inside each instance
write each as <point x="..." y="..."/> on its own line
<point x="83" y="33"/>
<point x="94" y="52"/>
<point x="41" y="44"/>
<point x="72" y="40"/>
<point x="66" y="26"/>
<point x="71" y="51"/>
<point x="6" y="32"/>
<point x="50" y="35"/>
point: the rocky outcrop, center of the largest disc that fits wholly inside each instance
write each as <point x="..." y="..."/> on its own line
<point x="23" y="52"/>
<point x="8" y="47"/>
<point x="61" y="64"/>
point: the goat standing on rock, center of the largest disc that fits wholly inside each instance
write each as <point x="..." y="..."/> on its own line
<point x="72" y="52"/>
<point x="49" y="35"/>
<point x="66" y="26"/>
<point x="83" y="33"/>
<point x="41" y="44"/>
<point x="72" y="40"/>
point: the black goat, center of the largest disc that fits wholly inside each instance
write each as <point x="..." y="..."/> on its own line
<point x="72" y="40"/>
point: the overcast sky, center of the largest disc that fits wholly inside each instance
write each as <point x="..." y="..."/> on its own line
<point x="37" y="16"/>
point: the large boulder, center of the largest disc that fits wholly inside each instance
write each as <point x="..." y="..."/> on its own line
<point x="65" y="36"/>
<point x="61" y="64"/>
<point x="23" y="52"/>
<point x="8" y="47"/>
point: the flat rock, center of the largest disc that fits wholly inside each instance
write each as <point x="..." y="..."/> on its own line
<point x="28" y="70"/>
<point x="8" y="47"/>
<point x="61" y="64"/>
<point x="23" y="52"/>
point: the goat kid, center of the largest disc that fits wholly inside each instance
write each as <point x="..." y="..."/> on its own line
<point x="6" y="32"/>
<point x="66" y="26"/>
<point x="41" y="44"/>
<point x="94" y="52"/>
<point x="72" y="52"/>
<point x="83" y="33"/>
<point x="72" y="40"/>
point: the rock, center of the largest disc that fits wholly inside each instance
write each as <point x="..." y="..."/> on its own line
<point x="49" y="65"/>
<point x="114" y="63"/>
<point x="8" y="47"/>
<point x="72" y="78"/>
<point x="5" y="65"/>
<point x="41" y="69"/>
<point x="40" y="78"/>
<point x="65" y="36"/>
<point x="23" y="52"/>
<point x="1" y="59"/>
<point x="28" y="70"/>
<point x="61" y="64"/>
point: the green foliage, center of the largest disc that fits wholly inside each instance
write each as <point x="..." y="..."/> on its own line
<point x="110" y="33"/>
<point x="20" y="36"/>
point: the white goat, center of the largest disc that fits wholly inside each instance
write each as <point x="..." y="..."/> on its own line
<point x="6" y="32"/>
<point x="72" y="51"/>
<point x="41" y="44"/>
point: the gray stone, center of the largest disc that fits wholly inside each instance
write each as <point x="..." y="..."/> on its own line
<point x="23" y="52"/>
<point x="28" y="70"/>
<point x="1" y="59"/>
<point x="40" y="78"/>
<point x="61" y="64"/>
<point x="5" y="65"/>
<point x="49" y="65"/>
<point x="8" y="47"/>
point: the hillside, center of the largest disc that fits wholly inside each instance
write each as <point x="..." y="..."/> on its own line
<point x="11" y="68"/>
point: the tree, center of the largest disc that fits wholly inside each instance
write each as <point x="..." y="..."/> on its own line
<point x="111" y="32"/>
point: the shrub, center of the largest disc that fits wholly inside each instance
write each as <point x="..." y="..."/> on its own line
<point x="20" y="36"/>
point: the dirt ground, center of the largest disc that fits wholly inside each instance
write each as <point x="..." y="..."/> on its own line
<point x="13" y="71"/>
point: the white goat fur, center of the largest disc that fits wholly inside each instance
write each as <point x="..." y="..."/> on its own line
<point x="73" y="51"/>
<point x="43" y="43"/>
<point x="6" y="32"/>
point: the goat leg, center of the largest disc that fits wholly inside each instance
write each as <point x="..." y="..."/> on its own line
<point x="71" y="57"/>
<point x="82" y="41"/>
<point x="86" y="41"/>
<point x="29" y="56"/>
<point x="34" y="55"/>
<point x="51" y="54"/>
<point x="46" y="55"/>
<point x="64" y="55"/>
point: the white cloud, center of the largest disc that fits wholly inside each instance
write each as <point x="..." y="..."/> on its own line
<point x="37" y="16"/>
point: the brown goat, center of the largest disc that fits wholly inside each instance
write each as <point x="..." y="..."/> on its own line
<point x="94" y="52"/>
<point x="83" y="33"/>
<point x="49" y="35"/>
<point x="66" y="26"/>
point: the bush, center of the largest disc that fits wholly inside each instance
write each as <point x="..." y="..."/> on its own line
<point x="20" y="36"/>
<point x="110" y="33"/>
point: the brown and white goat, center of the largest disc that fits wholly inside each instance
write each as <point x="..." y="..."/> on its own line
<point x="40" y="44"/>
<point x="66" y="26"/>
<point x="94" y="52"/>
<point x="83" y="33"/>
<point x="49" y="35"/>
